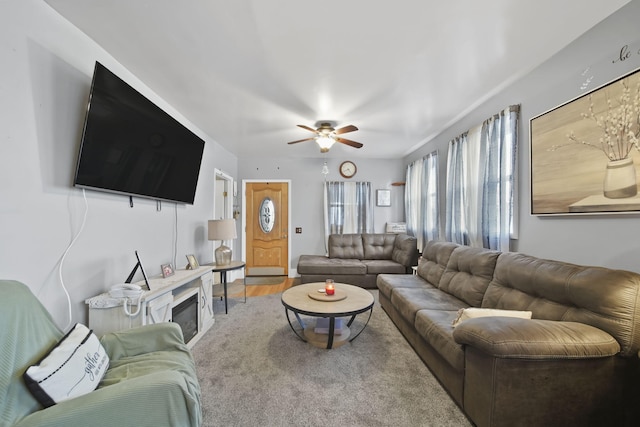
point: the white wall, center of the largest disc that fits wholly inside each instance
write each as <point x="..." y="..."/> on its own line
<point x="611" y="241"/>
<point x="307" y="197"/>
<point x="47" y="65"/>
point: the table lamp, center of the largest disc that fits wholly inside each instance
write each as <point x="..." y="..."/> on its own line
<point x="222" y="229"/>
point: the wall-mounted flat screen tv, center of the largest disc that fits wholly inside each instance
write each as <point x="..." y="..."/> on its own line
<point x="131" y="146"/>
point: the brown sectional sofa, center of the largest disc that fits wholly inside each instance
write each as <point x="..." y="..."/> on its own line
<point x="357" y="259"/>
<point x="574" y="363"/>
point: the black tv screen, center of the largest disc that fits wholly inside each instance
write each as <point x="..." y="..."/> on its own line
<point x="130" y="146"/>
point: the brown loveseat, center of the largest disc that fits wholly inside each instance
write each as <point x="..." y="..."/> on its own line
<point x="574" y="363"/>
<point x="357" y="259"/>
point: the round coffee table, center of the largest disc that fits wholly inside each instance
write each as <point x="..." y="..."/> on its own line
<point x="348" y="301"/>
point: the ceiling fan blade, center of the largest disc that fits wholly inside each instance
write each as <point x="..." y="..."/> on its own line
<point x="301" y="140"/>
<point x="308" y="128"/>
<point x="349" y="142"/>
<point x="345" y="129"/>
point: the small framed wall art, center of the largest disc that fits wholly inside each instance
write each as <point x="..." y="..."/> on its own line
<point x="383" y="197"/>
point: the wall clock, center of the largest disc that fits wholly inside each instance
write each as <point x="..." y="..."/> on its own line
<point x="348" y="169"/>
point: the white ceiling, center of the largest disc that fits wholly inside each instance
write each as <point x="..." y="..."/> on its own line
<point x="246" y="72"/>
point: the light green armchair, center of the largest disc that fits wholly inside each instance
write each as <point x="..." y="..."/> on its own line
<point x="151" y="380"/>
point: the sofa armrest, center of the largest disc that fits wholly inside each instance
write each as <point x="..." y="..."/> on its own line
<point x="162" y="398"/>
<point x="144" y="339"/>
<point x="508" y="337"/>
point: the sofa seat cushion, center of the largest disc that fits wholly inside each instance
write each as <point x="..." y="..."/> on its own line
<point x="378" y="266"/>
<point x="434" y="326"/>
<point x="408" y="301"/>
<point x="388" y="282"/>
<point x="318" y="264"/>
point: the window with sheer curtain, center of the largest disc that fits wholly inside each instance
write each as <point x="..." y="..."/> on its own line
<point x="348" y="207"/>
<point x="421" y="199"/>
<point x="481" y="183"/>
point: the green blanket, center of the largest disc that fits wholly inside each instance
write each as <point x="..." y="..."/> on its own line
<point x="151" y="379"/>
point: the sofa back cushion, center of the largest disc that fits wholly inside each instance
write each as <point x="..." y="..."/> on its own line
<point x="405" y="250"/>
<point x="554" y="290"/>
<point x="433" y="262"/>
<point x="346" y="246"/>
<point x="468" y="273"/>
<point x="378" y="246"/>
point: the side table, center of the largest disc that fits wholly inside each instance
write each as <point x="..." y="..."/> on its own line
<point x="222" y="269"/>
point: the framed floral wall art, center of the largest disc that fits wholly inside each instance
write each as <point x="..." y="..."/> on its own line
<point x="585" y="153"/>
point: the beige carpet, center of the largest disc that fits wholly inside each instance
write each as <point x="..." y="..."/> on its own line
<point x="254" y="371"/>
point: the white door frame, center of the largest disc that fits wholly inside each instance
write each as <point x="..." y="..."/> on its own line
<point x="244" y="218"/>
<point x="228" y="185"/>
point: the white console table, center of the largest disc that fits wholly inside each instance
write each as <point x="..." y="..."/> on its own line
<point x="107" y="314"/>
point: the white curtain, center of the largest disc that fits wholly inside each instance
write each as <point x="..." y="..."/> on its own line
<point x="348" y="208"/>
<point x="412" y="198"/>
<point x="481" y="182"/>
<point x="457" y="193"/>
<point x="421" y="199"/>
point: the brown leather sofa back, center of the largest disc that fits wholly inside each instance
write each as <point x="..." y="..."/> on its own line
<point x="554" y="290"/>
<point x="468" y="274"/>
<point x="378" y="246"/>
<point x="346" y="246"/>
<point x="435" y="257"/>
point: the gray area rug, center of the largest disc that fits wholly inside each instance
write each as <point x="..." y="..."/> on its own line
<point x="254" y="371"/>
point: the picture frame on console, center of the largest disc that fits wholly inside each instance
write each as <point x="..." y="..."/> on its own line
<point x="193" y="262"/>
<point x="167" y="270"/>
<point x="585" y="153"/>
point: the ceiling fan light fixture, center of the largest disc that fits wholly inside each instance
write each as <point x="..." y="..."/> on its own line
<point x="325" y="142"/>
<point x="326" y="135"/>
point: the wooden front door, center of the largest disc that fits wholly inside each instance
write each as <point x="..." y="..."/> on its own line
<point x="267" y="228"/>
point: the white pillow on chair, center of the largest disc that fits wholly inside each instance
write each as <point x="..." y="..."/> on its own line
<point x="75" y="366"/>
<point x="471" y="312"/>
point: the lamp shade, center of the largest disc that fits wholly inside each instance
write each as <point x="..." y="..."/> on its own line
<point x="222" y="229"/>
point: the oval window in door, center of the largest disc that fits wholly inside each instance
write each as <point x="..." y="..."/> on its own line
<point x="267" y="215"/>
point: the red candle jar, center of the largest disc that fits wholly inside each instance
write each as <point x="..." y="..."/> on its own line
<point x="329" y="288"/>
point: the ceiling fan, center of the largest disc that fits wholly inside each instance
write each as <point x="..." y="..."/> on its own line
<point x="327" y="135"/>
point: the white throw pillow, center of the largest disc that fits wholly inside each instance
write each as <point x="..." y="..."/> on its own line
<point x="75" y="366"/>
<point x="471" y="312"/>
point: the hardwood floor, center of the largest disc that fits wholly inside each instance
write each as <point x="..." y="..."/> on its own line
<point x="259" y="290"/>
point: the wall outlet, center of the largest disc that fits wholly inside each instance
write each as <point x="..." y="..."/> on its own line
<point x="298" y="230"/>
